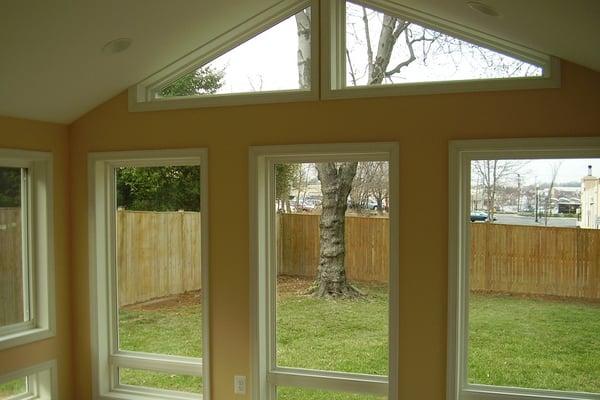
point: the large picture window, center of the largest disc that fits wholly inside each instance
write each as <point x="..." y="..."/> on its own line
<point x="151" y="253"/>
<point x="524" y="277"/>
<point x="328" y="274"/>
<point x="26" y="247"/>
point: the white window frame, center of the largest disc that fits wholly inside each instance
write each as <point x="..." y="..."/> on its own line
<point x="107" y="358"/>
<point x="38" y="248"/>
<point x="334" y="57"/>
<point x="142" y="96"/>
<point x="266" y="375"/>
<point x="328" y="76"/>
<point x="461" y="153"/>
<point x="41" y="381"/>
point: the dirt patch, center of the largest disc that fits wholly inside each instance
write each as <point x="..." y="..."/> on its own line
<point x="288" y="285"/>
<point x="184" y="299"/>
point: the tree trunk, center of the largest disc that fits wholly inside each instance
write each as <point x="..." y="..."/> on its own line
<point x="386" y="43"/>
<point x="304" y="54"/>
<point x="336" y="184"/>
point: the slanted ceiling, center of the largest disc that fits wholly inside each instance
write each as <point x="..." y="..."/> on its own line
<point x="52" y="67"/>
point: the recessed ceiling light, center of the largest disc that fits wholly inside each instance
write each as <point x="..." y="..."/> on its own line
<point x="483" y="8"/>
<point x="116" y="46"/>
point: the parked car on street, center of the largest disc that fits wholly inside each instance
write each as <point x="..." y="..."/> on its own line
<point x="479" y="216"/>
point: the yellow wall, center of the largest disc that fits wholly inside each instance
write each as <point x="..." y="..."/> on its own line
<point x="421" y="124"/>
<point x="32" y="135"/>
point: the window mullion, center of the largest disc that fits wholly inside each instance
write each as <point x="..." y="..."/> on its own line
<point x="153" y="362"/>
<point x="353" y="383"/>
<point x="25" y="257"/>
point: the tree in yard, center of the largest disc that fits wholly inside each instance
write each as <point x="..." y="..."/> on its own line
<point x="371" y="182"/>
<point x="336" y="183"/>
<point x="304" y="57"/>
<point x="10" y="187"/>
<point x="169" y="188"/>
<point x="491" y="174"/>
<point x="205" y="80"/>
<point x="548" y="201"/>
<point x="285" y="176"/>
<point x="401" y="43"/>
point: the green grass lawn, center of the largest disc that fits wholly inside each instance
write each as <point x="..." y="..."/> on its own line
<point x="172" y="328"/>
<point x="513" y="342"/>
<point x="13" y="387"/>
<point x="536" y="343"/>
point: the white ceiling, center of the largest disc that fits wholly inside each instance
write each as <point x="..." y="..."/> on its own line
<point x="52" y="67"/>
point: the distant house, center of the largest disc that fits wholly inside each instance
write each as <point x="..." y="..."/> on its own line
<point x="568" y="206"/>
<point x="590" y="207"/>
<point x="568" y="199"/>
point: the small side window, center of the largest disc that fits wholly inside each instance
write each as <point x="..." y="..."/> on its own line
<point x="26" y="266"/>
<point x="34" y="383"/>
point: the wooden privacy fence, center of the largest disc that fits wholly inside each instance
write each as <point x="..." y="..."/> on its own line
<point x="504" y="258"/>
<point x="535" y="260"/>
<point x="367" y="246"/>
<point x="11" y="268"/>
<point x="158" y="254"/>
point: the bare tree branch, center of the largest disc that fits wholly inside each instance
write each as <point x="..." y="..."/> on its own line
<point x="351" y="68"/>
<point x="368" y="37"/>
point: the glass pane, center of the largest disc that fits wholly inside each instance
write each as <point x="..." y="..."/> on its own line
<point x="534" y="276"/>
<point x="384" y="49"/>
<point x="13" y="388"/>
<point x="332" y="266"/>
<point x="289" y="393"/>
<point x="158" y="260"/>
<point x="160" y="380"/>
<point x="251" y="67"/>
<point x="13" y="272"/>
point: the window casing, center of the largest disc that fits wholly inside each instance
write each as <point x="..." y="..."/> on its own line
<point x="40" y="382"/>
<point x="267" y="374"/>
<point x="461" y="154"/>
<point x="108" y="357"/>
<point x="37" y="247"/>
<point x="328" y="68"/>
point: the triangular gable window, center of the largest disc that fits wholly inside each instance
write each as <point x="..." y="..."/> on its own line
<point x="278" y="59"/>
<point x="382" y="48"/>
<point x="369" y="48"/>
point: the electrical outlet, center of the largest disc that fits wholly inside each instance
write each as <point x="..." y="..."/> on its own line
<point x="239" y="384"/>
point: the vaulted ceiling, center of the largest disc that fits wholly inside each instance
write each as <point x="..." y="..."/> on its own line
<point x="52" y="67"/>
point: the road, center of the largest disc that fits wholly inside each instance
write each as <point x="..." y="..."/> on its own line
<point x="513" y="219"/>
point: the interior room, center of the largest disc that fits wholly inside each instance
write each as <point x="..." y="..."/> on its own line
<point x="320" y="219"/>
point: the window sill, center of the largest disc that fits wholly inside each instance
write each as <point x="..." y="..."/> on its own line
<point x="447" y="87"/>
<point x="131" y="393"/>
<point x="24" y="337"/>
<point x="483" y="392"/>
<point x="221" y="100"/>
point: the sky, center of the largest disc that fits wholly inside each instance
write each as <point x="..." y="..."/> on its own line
<point x="269" y="60"/>
<point x="569" y="170"/>
<point x="540" y="171"/>
<point x="269" y="57"/>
